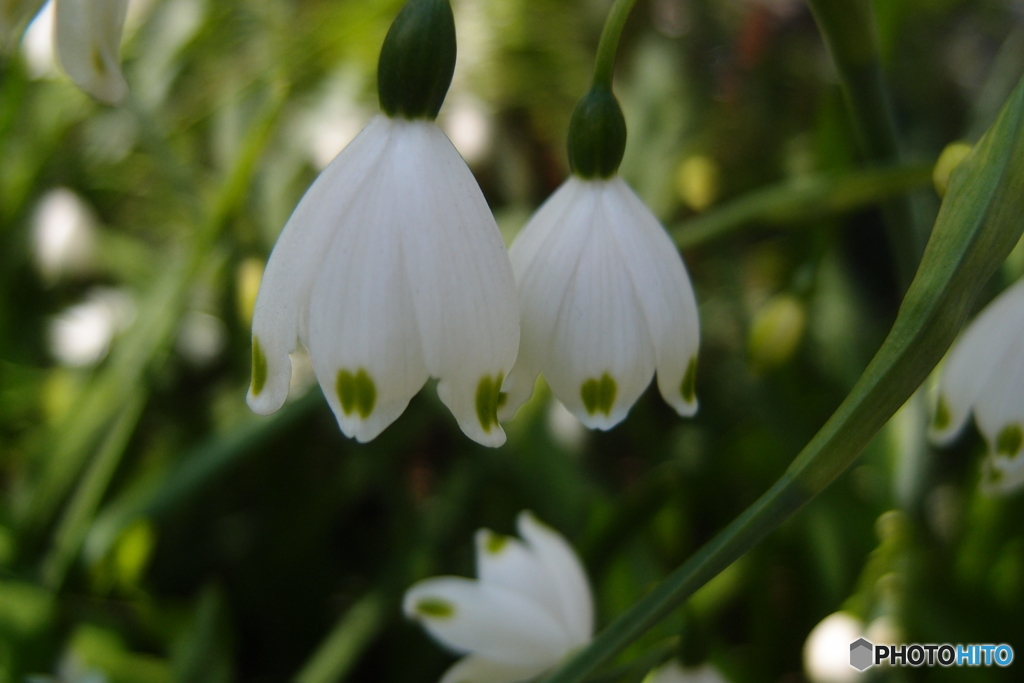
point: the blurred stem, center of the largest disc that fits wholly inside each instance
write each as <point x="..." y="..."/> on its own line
<point x="978" y="225"/>
<point x="802" y="200"/>
<point x="604" y="65"/>
<point x="75" y="523"/>
<point x="849" y="30"/>
<point x="152" y="335"/>
<point x="349" y="638"/>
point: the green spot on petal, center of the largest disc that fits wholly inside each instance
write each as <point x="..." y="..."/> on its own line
<point x="688" y="387"/>
<point x="259" y="367"/>
<point x="599" y="394"/>
<point x="495" y="543"/>
<point x="356" y="392"/>
<point x="435" y="608"/>
<point x="942" y="415"/>
<point x="1009" y="441"/>
<point x="489" y="397"/>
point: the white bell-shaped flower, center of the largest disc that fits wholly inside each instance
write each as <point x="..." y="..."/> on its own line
<point x="674" y="672"/>
<point x="604" y="300"/>
<point x="391" y="270"/>
<point x="88" y="38"/>
<point x="528" y="609"/>
<point x="984" y="374"/>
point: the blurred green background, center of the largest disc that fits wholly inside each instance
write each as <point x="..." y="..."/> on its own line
<point x="153" y="529"/>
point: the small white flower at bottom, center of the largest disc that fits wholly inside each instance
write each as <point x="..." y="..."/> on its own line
<point x="529" y="608"/>
<point x="984" y="374"/>
<point x="88" y="38"/>
<point x="390" y="270"/>
<point x="604" y="301"/>
<point x="674" y="672"/>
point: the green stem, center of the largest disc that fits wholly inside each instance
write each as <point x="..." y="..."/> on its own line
<point x="848" y="28"/>
<point x="976" y="229"/>
<point x="604" y="65"/>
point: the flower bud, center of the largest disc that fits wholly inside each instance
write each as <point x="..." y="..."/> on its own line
<point x="951" y="156"/>
<point x="597" y="134"/>
<point x="417" y="60"/>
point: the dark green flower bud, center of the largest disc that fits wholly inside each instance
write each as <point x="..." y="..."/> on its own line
<point x="417" y="60"/>
<point x="597" y="134"/>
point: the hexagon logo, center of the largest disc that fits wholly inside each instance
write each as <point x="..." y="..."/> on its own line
<point x="861" y="654"/>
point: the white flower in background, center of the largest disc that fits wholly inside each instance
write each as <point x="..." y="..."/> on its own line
<point x="529" y="608"/>
<point x="827" y="649"/>
<point x="88" y="38"/>
<point x="605" y="300"/>
<point x="674" y="672"/>
<point x="81" y="335"/>
<point x="984" y="374"/>
<point x="63" y="236"/>
<point x="391" y="270"/>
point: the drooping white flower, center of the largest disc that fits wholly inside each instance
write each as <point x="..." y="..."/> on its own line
<point x="984" y="374"/>
<point x="673" y="672"/>
<point x="88" y="38"/>
<point x="528" y="609"/>
<point x="391" y="270"/>
<point x="604" y="301"/>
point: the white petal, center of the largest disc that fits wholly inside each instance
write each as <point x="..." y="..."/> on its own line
<point x="977" y="355"/>
<point x="591" y="333"/>
<point x="1002" y="477"/>
<point x="508" y="563"/>
<point x="363" y="338"/>
<point x="497" y="624"/>
<point x="574" y="601"/>
<point x="999" y="411"/>
<point x="473" y="669"/>
<point x="463" y="286"/>
<point x="286" y="287"/>
<point x="89" y="46"/>
<point x="553" y="223"/>
<point x="664" y="290"/>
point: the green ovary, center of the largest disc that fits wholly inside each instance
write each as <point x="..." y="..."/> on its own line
<point x="599" y="394"/>
<point x="489" y="397"/>
<point x="357" y="392"/>
<point x="259" y="367"/>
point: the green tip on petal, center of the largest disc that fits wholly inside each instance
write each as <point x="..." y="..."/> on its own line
<point x="435" y="608"/>
<point x="356" y="392"/>
<point x="688" y="387"/>
<point x="259" y="367"/>
<point x="942" y="415"/>
<point x="489" y="397"/>
<point x="495" y="543"/>
<point x="417" y="60"/>
<point x="597" y="134"/>
<point x="599" y="394"/>
<point x="1009" y="441"/>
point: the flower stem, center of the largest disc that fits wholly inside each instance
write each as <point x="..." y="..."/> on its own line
<point x="604" y="65"/>
<point x="976" y="229"/>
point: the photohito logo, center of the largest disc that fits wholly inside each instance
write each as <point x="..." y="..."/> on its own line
<point x="864" y="655"/>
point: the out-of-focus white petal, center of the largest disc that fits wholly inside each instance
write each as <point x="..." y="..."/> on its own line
<point x="473" y="669"/>
<point x="604" y="299"/>
<point x="827" y="649"/>
<point x="462" y="282"/>
<point x="89" y="46"/>
<point x="673" y="672"/>
<point x="999" y="411"/>
<point x="63" y="237"/>
<point x="495" y="623"/>
<point x="572" y="591"/>
<point x="363" y="339"/>
<point x="983" y="353"/>
<point x="279" y="319"/>
<point x="664" y="290"/>
<point x="507" y="562"/>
